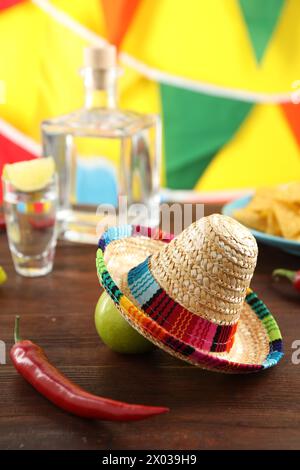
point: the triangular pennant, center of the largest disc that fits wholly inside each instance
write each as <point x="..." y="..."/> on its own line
<point x="8" y="3"/>
<point x="292" y="114"/>
<point x="118" y="16"/>
<point x="261" y="18"/>
<point x="196" y="126"/>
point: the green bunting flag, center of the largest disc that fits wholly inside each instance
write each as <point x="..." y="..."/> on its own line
<point x="196" y="126"/>
<point x="261" y="17"/>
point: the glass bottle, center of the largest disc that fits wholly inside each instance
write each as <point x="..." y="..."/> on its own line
<point x="103" y="153"/>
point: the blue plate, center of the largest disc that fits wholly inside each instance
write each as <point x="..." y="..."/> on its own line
<point x="289" y="246"/>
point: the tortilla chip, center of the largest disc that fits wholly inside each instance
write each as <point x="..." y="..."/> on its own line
<point x="289" y="192"/>
<point x="262" y="200"/>
<point x="288" y="218"/>
<point x="251" y="219"/>
<point x="273" y="227"/>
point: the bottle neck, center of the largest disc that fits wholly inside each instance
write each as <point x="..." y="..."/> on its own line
<point x="100" y="98"/>
<point x="100" y="88"/>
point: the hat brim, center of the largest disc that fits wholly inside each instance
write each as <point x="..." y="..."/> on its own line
<point x="257" y="344"/>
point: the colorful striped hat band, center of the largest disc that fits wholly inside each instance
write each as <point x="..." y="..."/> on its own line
<point x="179" y="321"/>
<point x="191" y="295"/>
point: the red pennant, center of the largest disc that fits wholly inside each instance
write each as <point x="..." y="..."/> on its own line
<point x="118" y="16"/>
<point x="292" y="114"/>
<point x="10" y="153"/>
<point x="8" y="3"/>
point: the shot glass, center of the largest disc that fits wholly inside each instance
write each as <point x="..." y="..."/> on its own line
<point x="30" y="219"/>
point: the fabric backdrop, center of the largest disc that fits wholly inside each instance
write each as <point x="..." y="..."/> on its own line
<point x="221" y="73"/>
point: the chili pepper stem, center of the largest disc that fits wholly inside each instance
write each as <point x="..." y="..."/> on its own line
<point x="17" y="329"/>
<point x="284" y="273"/>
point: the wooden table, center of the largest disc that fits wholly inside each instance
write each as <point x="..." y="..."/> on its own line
<point x="208" y="410"/>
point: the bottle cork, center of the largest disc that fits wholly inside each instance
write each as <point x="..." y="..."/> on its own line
<point x="101" y="58"/>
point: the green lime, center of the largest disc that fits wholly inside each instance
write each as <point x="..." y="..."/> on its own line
<point x="3" y="276"/>
<point x="115" y="331"/>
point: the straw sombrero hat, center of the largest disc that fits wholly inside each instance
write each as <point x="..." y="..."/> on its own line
<point x="190" y="294"/>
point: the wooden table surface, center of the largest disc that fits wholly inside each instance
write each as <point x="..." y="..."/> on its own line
<point x="208" y="410"/>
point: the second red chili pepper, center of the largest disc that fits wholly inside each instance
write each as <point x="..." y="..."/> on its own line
<point x="292" y="276"/>
<point x="32" y="363"/>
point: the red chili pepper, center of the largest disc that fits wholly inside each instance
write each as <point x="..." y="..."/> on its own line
<point x="32" y="363"/>
<point x="292" y="276"/>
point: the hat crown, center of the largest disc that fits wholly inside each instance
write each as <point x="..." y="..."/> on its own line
<point x="208" y="268"/>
